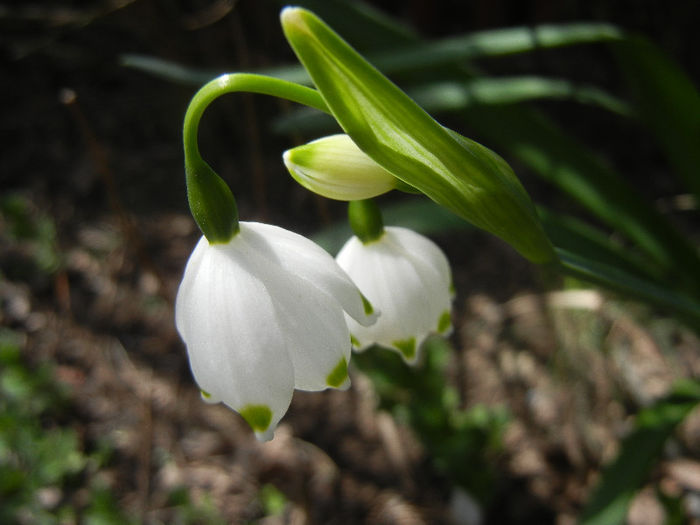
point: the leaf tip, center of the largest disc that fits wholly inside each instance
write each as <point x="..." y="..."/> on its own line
<point x="292" y="18"/>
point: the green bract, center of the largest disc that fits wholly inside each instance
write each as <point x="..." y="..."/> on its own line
<point x="457" y="173"/>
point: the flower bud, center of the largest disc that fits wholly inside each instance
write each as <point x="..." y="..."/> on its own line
<point x="336" y="168"/>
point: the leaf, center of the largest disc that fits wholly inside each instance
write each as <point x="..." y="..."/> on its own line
<point x="561" y="160"/>
<point x="668" y="102"/>
<point x="387" y="125"/>
<point x="576" y="236"/>
<point x="638" y="452"/>
<point x="614" y="278"/>
<point x="452" y="96"/>
<point x="455" y="96"/>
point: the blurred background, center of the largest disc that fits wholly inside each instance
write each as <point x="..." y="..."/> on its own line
<point x="509" y="421"/>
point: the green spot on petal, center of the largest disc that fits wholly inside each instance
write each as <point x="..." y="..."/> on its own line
<point x="369" y="309"/>
<point x="205" y="394"/>
<point x="257" y="416"/>
<point x="444" y="322"/>
<point x="339" y="374"/>
<point x="354" y="342"/>
<point x="407" y="347"/>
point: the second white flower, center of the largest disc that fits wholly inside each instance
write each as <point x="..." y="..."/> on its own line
<point x="408" y="279"/>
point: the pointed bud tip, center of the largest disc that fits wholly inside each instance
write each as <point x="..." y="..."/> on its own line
<point x="293" y="17"/>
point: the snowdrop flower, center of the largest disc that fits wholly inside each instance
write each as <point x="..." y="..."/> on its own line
<point x="262" y="314"/>
<point x="408" y="279"/>
<point x="336" y="168"/>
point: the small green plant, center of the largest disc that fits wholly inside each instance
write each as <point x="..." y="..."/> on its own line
<point x="33" y="233"/>
<point x="42" y="462"/>
<point x="462" y="442"/>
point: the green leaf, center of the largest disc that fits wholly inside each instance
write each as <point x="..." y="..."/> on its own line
<point x="452" y="96"/>
<point x="456" y="96"/>
<point x="561" y="160"/>
<point x="387" y="125"/>
<point x="668" y="102"/>
<point x="614" y="278"/>
<point x="576" y="236"/>
<point x="638" y="452"/>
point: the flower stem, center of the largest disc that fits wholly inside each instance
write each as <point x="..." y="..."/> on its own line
<point x="366" y="220"/>
<point x="211" y="201"/>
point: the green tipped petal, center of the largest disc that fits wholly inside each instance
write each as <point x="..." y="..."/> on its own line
<point x="257" y="416"/>
<point x="338" y="375"/>
<point x="444" y="323"/>
<point x="369" y="309"/>
<point x="407" y="347"/>
<point x="457" y="173"/>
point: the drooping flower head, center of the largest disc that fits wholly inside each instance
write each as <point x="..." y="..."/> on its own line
<point x="263" y="314"/>
<point x="408" y="279"/>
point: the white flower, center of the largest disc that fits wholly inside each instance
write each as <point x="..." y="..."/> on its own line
<point x="262" y="315"/>
<point x="336" y="168"/>
<point x="408" y="279"/>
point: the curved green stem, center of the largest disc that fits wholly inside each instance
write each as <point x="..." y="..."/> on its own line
<point x="211" y="202"/>
<point x="236" y="82"/>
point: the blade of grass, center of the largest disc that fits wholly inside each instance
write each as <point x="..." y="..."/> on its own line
<point x="613" y="278"/>
<point x="456" y="96"/>
<point x="611" y="498"/>
<point x="668" y="102"/>
<point x="451" y="96"/>
<point x="576" y="236"/>
<point x="561" y="160"/>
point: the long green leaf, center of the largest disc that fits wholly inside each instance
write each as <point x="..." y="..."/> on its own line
<point x="668" y="102"/>
<point x="549" y="152"/>
<point x="452" y="96"/>
<point x="614" y="278"/>
<point x="456" y="96"/>
<point x="638" y="452"/>
<point x="576" y="236"/>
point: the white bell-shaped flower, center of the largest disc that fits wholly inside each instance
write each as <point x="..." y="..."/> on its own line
<point x="408" y="279"/>
<point x="263" y="314"/>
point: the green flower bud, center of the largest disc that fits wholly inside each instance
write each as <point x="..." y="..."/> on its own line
<point x="336" y="168"/>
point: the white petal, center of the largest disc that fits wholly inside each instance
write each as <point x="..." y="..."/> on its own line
<point x="431" y="266"/>
<point x="411" y="294"/>
<point x="419" y="247"/>
<point x="313" y="324"/>
<point x="236" y="348"/>
<point x="310" y="262"/>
